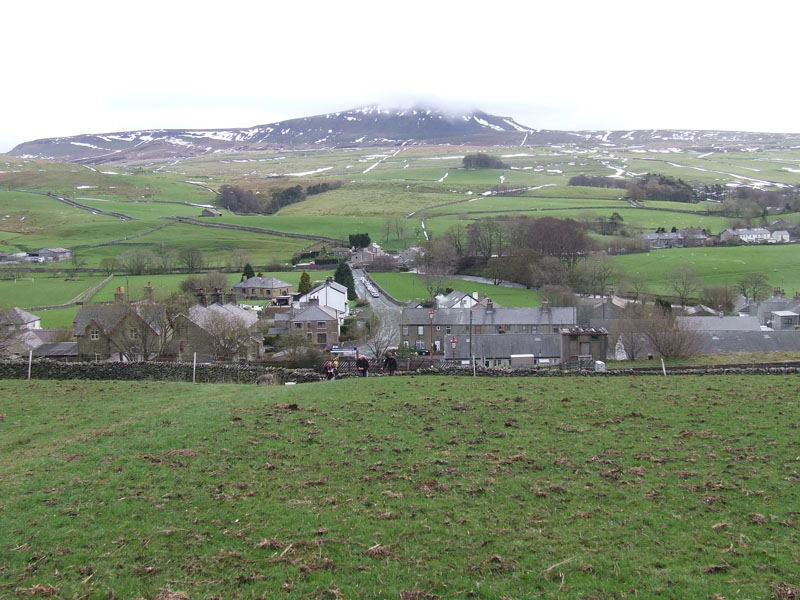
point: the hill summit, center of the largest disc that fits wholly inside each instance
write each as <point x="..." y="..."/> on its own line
<point x="359" y="127"/>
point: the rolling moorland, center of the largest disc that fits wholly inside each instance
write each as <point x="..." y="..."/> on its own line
<point x="130" y="205"/>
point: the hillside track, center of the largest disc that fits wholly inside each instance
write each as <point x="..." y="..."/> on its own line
<point x="71" y="202"/>
<point x="261" y="230"/>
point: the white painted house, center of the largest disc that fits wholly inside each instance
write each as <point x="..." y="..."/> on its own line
<point x="330" y="295"/>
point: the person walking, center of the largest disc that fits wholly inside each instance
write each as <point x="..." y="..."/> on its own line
<point x="330" y="371"/>
<point x="362" y="366"/>
<point x="390" y="363"/>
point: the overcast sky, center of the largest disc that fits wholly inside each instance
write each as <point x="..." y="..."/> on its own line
<point x="95" y="67"/>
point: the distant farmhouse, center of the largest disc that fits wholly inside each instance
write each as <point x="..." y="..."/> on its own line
<point x="52" y="254"/>
<point x="688" y="237"/>
<point x="758" y="235"/>
<point x="262" y="288"/>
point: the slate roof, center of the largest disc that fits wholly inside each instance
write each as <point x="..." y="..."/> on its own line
<point x="16" y="317"/>
<point x="108" y="316"/>
<point x="202" y="314"/>
<point x="731" y="342"/>
<point x="56" y="350"/>
<point x="721" y="323"/>
<point x="545" y="345"/>
<point x="263" y="282"/>
<point x="482" y="316"/>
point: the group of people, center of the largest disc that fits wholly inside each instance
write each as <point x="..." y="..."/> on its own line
<point x="362" y="366"/>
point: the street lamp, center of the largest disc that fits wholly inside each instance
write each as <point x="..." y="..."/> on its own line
<point x="453" y="344"/>
<point x="430" y="316"/>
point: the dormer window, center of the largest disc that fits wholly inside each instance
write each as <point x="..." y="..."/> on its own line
<point x="94" y="334"/>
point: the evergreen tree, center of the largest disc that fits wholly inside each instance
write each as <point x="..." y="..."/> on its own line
<point x="248" y="271"/>
<point x="305" y="283"/>
<point x="344" y="276"/>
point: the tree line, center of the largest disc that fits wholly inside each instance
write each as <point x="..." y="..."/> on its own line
<point x="651" y="186"/>
<point x="243" y="201"/>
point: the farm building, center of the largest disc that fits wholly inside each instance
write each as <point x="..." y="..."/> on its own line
<point x="52" y="254"/>
<point x="210" y="212"/>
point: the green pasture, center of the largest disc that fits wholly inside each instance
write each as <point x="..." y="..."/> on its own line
<point x="720" y="265"/>
<point x="45" y="290"/>
<point x="411" y="286"/>
<point x="423" y="487"/>
<point x="142" y="209"/>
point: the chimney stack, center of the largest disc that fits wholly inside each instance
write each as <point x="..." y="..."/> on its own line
<point x="546" y="304"/>
<point x="231" y="297"/>
<point x="489" y="305"/>
<point x="119" y="295"/>
<point x="218" y="297"/>
<point x="148" y="293"/>
<point x="201" y="296"/>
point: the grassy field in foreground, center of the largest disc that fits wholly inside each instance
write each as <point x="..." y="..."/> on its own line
<point x="412" y="487"/>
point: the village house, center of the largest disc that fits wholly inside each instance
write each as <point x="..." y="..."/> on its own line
<point x="21" y="332"/>
<point x="121" y="331"/>
<point x="216" y="332"/>
<point x="688" y="237"/>
<point x="262" y="288"/>
<point x="330" y="295"/>
<point x="433" y="330"/>
<point x="757" y="235"/>
<point x="317" y="324"/>
<point x="494" y="350"/>
<point x="211" y="212"/>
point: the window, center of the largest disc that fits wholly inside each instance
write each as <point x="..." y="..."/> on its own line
<point x="308" y="325"/>
<point x="405" y="330"/>
<point x="477" y="329"/>
<point x="133" y="333"/>
<point x="420" y="330"/>
<point x="94" y="334"/>
<point x="448" y="329"/>
<point x="438" y="328"/>
<point x="405" y="343"/>
<point x="269" y="292"/>
<point x="322" y="338"/>
<point x="310" y="336"/>
<point x="420" y="344"/>
<point x="534" y="329"/>
<point x="298" y="325"/>
<point x="320" y="324"/>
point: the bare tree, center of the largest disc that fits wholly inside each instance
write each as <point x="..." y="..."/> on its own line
<point x="230" y="335"/>
<point x="634" y="286"/>
<point x="143" y="332"/>
<point x="164" y="257"/>
<point x="137" y="261"/>
<point x="683" y="280"/>
<point x="629" y="330"/>
<point x="754" y="286"/>
<point x="238" y="259"/>
<point x="599" y="273"/>
<point x="192" y="259"/>
<point x="379" y="333"/>
<point x="671" y="339"/>
<point x="435" y="262"/>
